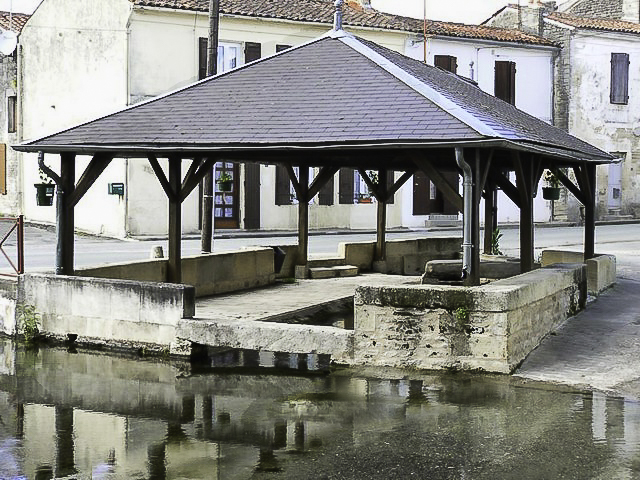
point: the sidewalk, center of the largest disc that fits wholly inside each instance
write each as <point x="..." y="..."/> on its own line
<point x="597" y="349"/>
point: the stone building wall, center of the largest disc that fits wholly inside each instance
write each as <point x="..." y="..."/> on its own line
<point x="11" y="202"/>
<point x="562" y="75"/>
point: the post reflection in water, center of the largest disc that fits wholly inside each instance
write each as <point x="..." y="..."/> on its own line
<point x="259" y="414"/>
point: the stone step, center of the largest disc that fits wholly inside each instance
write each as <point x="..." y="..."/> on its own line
<point x="319" y="261"/>
<point x="317" y="273"/>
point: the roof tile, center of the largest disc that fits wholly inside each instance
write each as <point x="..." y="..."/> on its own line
<point x="14" y="22"/>
<point x="321" y="11"/>
<point x="590" y="23"/>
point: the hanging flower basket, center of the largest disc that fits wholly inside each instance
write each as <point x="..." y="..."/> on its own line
<point x="44" y="194"/>
<point x="225" y="186"/>
<point x="551" y="193"/>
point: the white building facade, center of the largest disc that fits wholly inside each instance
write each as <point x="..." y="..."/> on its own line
<point x="82" y="60"/>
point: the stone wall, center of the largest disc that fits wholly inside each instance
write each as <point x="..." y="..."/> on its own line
<point x="491" y="327"/>
<point x="210" y="274"/>
<point x="601" y="270"/>
<point x="117" y="312"/>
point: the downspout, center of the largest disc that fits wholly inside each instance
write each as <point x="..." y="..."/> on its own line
<point x="467" y="194"/>
<point x="59" y="211"/>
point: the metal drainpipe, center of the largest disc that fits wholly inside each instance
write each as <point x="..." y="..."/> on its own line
<point x="467" y="193"/>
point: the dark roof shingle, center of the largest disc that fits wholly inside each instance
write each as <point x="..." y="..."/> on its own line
<point x="332" y="91"/>
<point x="321" y="11"/>
<point x="605" y="24"/>
<point x="14" y="22"/>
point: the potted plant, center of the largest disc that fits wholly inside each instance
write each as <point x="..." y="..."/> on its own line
<point x="44" y="190"/>
<point x="552" y="190"/>
<point x="225" y="182"/>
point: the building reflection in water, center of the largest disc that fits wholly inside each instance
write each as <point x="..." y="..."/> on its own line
<point x="100" y="416"/>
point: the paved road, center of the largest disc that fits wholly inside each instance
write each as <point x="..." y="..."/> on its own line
<point x="620" y="240"/>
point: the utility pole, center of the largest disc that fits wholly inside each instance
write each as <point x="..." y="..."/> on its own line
<point x="207" y="182"/>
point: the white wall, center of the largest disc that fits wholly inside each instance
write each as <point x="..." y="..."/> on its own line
<point x="74" y="70"/>
<point x="595" y="119"/>
<point x="534" y="95"/>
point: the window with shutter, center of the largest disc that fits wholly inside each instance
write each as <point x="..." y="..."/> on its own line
<point x="446" y="62"/>
<point x="252" y="51"/>
<point x="619" y="78"/>
<point x="280" y="48"/>
<point x="390" y="182"/>
<point x="346" y="186"/>
<point x="283" y="186"/>
<point x="325" y="197"/>
<point x="202" y="57"/>
<point x="505" y="81"/>
<point x="12" y="102"/>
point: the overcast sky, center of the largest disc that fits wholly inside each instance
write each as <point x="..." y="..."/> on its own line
<point x="466" y="11"/>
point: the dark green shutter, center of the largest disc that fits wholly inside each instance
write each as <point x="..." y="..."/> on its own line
<point x="346" y="186"/>
<point x="283" y="186"/>
<point x="505" y="81"/>
<point x="325" y="197"/>
<point x="202" y="58"/>
<point x="280" y="48"/>
<point x="446" y="62"/>
<point x="390" y="182"/>
<point x="252" y="51"/>
<point x="619" y="93"/>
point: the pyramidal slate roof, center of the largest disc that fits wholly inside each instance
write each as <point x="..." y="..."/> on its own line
<point x="338" y="91"/>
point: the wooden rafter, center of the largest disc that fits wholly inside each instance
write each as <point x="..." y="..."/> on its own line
<point x="191" y="181"/>
<point x="399" y="183"/>
<point x="96" y="166"/>
<point x="324" y="175"/>
<point x="509" y="189"/>
<point x="296" y="184"/>
<point x="575" y="190"/>
<point x="157" y="169"/>
<point x="449" y="192"/>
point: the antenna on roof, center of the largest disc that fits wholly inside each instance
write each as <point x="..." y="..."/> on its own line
<point x="337" y="17"/>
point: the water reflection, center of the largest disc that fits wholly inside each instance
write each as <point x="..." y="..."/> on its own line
<point x="90" y="415"/>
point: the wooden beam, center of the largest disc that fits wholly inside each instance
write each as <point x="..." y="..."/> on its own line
<point x="507" y="187"/>
<point x="65" y="214"/>
<point x="488" y="218"/>
<point x="303" y="217"/>
<point x="448" y="191"/>
<point x="193" y="168"/>
<point x="381" y="221"/>
<point x="575" y="191"/>
<point x="375" y="189"/>
<point x="96" y="166"/>
<point x="191" y="182"/>
<point x="174" y="267"/>
<point x="524" y="182"/>
<point x="157" y="169"/>
<point x="485" y="171"/>
<point x="582" y="175"/>
<point x="295" y="182"/>
<point x="324" y="175"/>
<point x="399" y="183"/>
<point x="590" y="212"/>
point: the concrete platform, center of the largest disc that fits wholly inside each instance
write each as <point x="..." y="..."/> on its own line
<point x="247" y="319"/>
<point x="596" y="349"/>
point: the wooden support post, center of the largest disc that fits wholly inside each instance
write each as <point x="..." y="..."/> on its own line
<point x="590" y="212"/>
<point x="65" y="217"/>
<point x="524" y="182"/>
<point x="303" y="217"/>
<point x="381" y="229"/>
<point x="488" y="218"/>
<point x="174" y="267"/>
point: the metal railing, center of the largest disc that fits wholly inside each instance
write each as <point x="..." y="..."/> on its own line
<point x="17" y="226"/>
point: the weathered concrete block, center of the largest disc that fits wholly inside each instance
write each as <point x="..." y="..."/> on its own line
<point x="492" y="327"/>
<point x="322" y="272"/>
<point x="601" y="270"/>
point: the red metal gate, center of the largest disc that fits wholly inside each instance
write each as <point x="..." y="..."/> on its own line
<point x="16" y="230"/>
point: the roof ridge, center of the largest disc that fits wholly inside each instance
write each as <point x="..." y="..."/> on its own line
<point x="420" y="87"/>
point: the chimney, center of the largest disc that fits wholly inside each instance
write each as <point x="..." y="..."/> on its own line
<point x="631" y="11"/>
<point x="337" y="17"/>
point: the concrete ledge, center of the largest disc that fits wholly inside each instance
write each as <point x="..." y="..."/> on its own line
<point x="276" y="337"/>
<point x="491" y="327"/>
<point x="601" y="270"/>
<point x="449" y="270"/>
<point x="210" y="274"/>
<point x="106" y="309"/>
